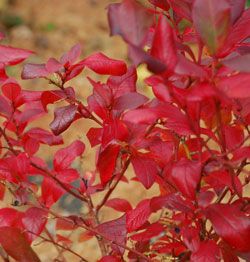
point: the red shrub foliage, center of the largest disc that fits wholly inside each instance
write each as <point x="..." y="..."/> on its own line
<point x="191" y="138"/>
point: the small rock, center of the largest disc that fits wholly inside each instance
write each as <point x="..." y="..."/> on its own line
<point x="42" y="41"/>
<point x="21" y="32"/>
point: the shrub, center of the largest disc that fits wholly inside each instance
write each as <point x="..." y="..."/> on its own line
<point x="191" y="138"/>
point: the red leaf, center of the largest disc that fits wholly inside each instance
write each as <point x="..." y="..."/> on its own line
<point x="34" y="220"/>
<point x="129" y="101"/>
<point x="11" y="89"/>
<point x="31" y="146"/>
<point x="201" y="92"/>
<point x="237" y="8"/>
<point x="65" y="240"/>
<point x="114" y="130"/>
<point x="2" y="190"/>
<point x="53" y="65"/>
<point x="220" y="179"/>
<point x="68" y="175"/>
<point x="145" y="169"/>
<point x="101" y="100"/>
<point x="107" y="162"/>
<point x="231" y="224"/>
<point x="74" y="71"/>
<point x="137" y="217"/>
<point x="3" y="75"/>
<point x="114" y="230"/>
<point x="151" y="231"/>
<point x="191" y="238"/>
<point x="163" y="46"/>
<point x="186" y="175"/>
<point x="172" y="202"/>
<point x="227" y="253"/>
<point x="94" y="136"/>
<point x="241" y="153"/>
<point x="85" y="236"/>
<point x="5" y="107"/>
<point x="177" y="121"/>
<point x="162" y="151"/>
<point x="139" y="56"/>
<point x="141" y="116"/>
<point x="239" y="32"/>
<point x="32" y="111"/>
<point x="239" y="63"/>
<point x="185" y="67"/>
<point x="124" y="84"/>
<point x="10" y="217"/>
<point x="212" y="21"/>
<point x="31" y="71"/>
<point x="49" y="97"/>
<point x="159" y="88"/>
<point x="234" y="136"/>
<point x="44" y="136"/>
<point x="208" y="251"/>
<point x="12" y="56"/>
<point x="104" y="65"/>
<point x="129" y="20"/>
<point x="161" y="4"/>
<point x="236" y="86"/>
<point x="182" y="7"/>
<point x="29" y="96"/>
<point x="65" y="156"/>
<point x="175" y="247"/>
<point x="65" y="224"/>
<point x="205" y="198"/>
<point x="63" y="118"/>
<point x="119" y="204"/>
<point x="71" y="56"/>
<point x="18" y="167"/>
<point x="51" y="192"/>
<point x="15" y="244"/>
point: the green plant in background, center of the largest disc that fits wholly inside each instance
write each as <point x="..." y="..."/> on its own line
<point x="49" y="27"/>
<point x="11" y="20"/>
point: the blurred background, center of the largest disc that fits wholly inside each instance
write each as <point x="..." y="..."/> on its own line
<point x="51" y="27"/>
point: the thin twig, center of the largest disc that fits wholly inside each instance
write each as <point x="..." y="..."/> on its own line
<point x="56" y="246"/>
<point x="80" y="197"/>
<point x="59" y="245"/>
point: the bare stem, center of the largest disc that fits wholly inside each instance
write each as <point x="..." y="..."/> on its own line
<point x="59" y="245"/>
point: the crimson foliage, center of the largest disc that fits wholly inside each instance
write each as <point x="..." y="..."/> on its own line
<point x="191" y="139"/>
